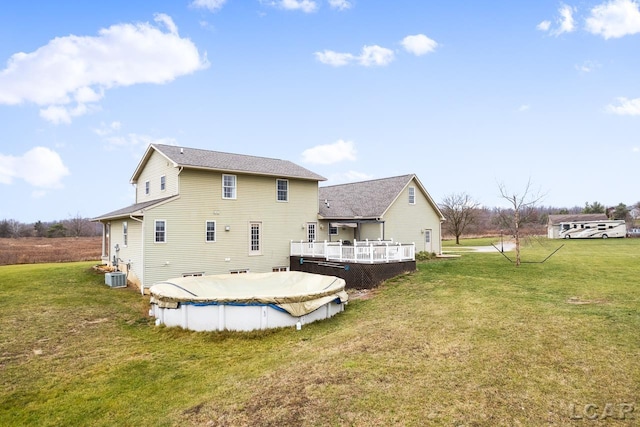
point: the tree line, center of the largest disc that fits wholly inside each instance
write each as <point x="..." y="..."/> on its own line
<point x="72" y="227"/>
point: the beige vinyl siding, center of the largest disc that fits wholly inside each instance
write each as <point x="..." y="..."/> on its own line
<point x="404" y="221"/>
<point x="157" y="166"/>
<point x="130" y="254"/>
<point x="186" y="249"/>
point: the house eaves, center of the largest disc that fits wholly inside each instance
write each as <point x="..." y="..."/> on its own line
<point x="194" y="158"/>
<point x="137" y="209"/>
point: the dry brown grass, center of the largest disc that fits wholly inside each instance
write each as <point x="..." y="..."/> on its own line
<point x="34" y="250"/>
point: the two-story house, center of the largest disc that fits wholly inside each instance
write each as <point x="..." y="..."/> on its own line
<point x="206" y="212"/>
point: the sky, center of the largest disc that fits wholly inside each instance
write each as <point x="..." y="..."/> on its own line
<point x="468" y="95"/>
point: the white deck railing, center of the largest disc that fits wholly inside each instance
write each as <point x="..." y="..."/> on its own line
<point x="369" y="251"/>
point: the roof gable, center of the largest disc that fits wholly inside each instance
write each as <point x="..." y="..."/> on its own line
<point x="226" y="162"/>
<point x="366" y="199"/>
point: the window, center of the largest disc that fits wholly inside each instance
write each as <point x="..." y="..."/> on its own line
<point x="412" y="195"/>
<point x="255" y="235"/>
<point x="147" y="187"/>
<point x="163" y="183"/>
<point x="282" y="189"/>
<point x="241" y="271"/>
<point x="279" y="269"/>
<point x="161" y="231"/>
<point x="211" y="231"/>
<point x="311" y="231"/>
<point x="125" y="233"/>
<point x="228" y="186"/>
<point x="333" y="231"/>
<point x="198" y="274"/>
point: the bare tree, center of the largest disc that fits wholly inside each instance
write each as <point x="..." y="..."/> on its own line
<point x="522" y="210"/>
<point x="77" y="225"/>
<point x="460" y="210"/>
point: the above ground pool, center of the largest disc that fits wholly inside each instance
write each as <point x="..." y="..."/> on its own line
<point x="244" y="302"/>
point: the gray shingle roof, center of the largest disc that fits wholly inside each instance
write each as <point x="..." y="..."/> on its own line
<point x="367" y="199"/>
<point x="239" y="163"/>
<point x="129" y="210"/>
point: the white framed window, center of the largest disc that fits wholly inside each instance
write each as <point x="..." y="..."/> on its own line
<point x="210" y="233"/>
<point x="279" y="269"/>
<point x="229" y="186"/>
<point x="160" y="231"/>
<point x="282" y="190"/>
<point x="239" y="271"/>
<point x="255" y="238"/>
<point x="125" y="233"/>
<point x="412" y="195"/>
<point x="163" y="183"/>
<point x="333" y="231"/>
<point x="147" y="187"/>
<point x="197" y="274"/>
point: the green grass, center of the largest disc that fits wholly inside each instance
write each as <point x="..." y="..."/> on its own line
<point x="464" y="341"/>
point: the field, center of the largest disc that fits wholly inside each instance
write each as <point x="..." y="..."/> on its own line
<point x="470" y="341"/>
<point x="33" y="250"/>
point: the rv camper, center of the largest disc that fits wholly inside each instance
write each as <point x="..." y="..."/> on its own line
<point x="593" y="229"/>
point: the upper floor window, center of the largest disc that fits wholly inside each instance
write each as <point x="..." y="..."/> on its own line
<point x="147" y="187"/>
<point x="163" y="183"/>
<point x="229" y="185"/>
<point x="211" y="231"/>
<point x="161" y="231"/>
<point x="412" y="195"/>
<point x="125" y="233"/>
<point x="282" y="188"/>
<point x="333" y="231"/>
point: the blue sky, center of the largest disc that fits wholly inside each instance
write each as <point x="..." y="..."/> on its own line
<point x="467" y="95"/>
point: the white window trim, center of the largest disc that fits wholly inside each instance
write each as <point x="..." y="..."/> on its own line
<point x="125" y="233"/>
<point x="334" y="228"/>
<point x="155" y="230"/>
<point x="163" y="183"/>
<point x="260" y="242"/>
<point x="235" y="187"/>
<point x="315" y="231"/>
<point x="147" y="188"/>
<point x="278" y="190"/>
<point x="412" y="195"/>
<point x="206" y="231"/>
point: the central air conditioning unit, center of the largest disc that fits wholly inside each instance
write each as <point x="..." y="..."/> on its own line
<point x="117" y="279"/>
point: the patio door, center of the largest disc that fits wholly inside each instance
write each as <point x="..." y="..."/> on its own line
<point x="311" y="231"/>
<point x="428" y="246"/>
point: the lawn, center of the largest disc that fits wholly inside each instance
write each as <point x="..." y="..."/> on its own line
<point x="468" y="341"/>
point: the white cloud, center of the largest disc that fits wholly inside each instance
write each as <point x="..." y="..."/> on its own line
<point x="41" y="167"/>
<point x="636" y="149"/>
<point x="375" y="56"/>
<point x="340" y="4"/>
<point x="69" y="74"/>
<point x="107" y="129"/>
<point x="334" y="59"/>
<point x="306" y="6"/>
<point x="369" y="56"/>
<point x="587" y="66"/>
<point x="565" y="23"/>
<point x="524" y="107"/>
<point x="616" y="18"/>
<point x="419" y="44"/>
<point x="330" y="153"/>
<point x="629" y="107"/>
<point x="544" y="26"/>
<point x="211" y="5"/>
